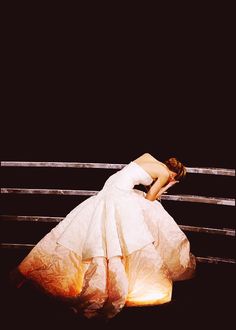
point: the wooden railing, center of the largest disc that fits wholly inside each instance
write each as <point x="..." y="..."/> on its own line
<point x="179" y="198"/>
<point x="197" y="170"/>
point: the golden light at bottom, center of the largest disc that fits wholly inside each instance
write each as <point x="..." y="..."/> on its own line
<point x="155" y="298"/>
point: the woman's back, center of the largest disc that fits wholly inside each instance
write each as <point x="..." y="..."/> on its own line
<point x="153" y="166"/>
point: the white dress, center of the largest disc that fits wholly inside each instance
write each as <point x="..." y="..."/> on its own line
<point x="114" y="249"/>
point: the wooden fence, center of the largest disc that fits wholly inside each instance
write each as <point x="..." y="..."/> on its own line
<point x="66" y="192"/>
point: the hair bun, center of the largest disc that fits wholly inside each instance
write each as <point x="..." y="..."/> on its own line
<point x="176" y="166"/>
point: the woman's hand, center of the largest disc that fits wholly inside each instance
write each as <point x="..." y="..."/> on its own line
<point x="166" y="187"/>
<point x="170" y="184"/>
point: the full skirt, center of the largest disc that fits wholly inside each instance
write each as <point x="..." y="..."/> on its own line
<point x="113" y="250"/>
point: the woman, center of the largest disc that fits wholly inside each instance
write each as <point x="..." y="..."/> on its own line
<point x="119" y="247"/>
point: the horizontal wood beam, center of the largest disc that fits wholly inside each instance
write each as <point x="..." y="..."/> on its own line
<point x="214" y="231"/>
<point x="12" y="246"/>
<point x="30" y="218"/>
<point x="48" y="191"/>
<point x="66" y="192"/>
<point x="35" y="218"/>
<point x="199" y="199"/>
<point x="195" y="170"/>
<point x="215" y="260"/>
<point x="211" y="171"/>
<point x="62" y="165"/>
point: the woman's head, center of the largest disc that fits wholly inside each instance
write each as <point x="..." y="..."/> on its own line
<point x="177" y="167"/>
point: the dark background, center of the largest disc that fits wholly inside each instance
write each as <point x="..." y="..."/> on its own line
<point x="109" y="91"/>
<point x="106" y="92"/>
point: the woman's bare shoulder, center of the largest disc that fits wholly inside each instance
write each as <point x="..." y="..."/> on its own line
<point x="153" y="166"/>
<point x="146" y="157"/>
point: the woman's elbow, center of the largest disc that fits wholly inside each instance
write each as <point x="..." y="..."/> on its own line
<point x="150" y="197"/>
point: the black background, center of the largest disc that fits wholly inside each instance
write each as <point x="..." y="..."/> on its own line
<point x="96" y="91"/>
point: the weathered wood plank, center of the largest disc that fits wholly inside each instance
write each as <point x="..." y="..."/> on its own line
<point x="199" y="199"/>
<point x="178" y="198"/>
<point x="207" y="259"/>
<point x="48" y="191"/>
<point x="35" y="218"/>
<point x="215" y="260"/>
<point x="30" y="218"/>
<point x="211" y="171"/>
<point x="195" y="170"/>
<point x="62" y="164"/>
<point x="16" y="246"/>
<point x="214" y="231"/>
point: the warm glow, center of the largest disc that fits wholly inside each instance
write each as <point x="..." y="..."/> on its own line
<point x="149" y="299"/>
<point x="151" y="296"/>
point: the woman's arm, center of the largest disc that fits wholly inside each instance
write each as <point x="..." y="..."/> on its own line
<point x="156" y="188"/>
<point x="165" y="188"/>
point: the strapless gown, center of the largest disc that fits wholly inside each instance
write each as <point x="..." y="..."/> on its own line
<point x="115" y="249"/>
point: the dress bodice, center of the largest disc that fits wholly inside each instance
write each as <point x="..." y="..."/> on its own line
<point x="129" y="176"/>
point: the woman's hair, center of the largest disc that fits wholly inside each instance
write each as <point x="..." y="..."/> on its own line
<point x="176" y="166"/>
